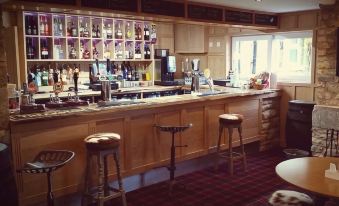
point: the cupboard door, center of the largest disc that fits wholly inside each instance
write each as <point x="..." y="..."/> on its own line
<point x="190" y="38"/>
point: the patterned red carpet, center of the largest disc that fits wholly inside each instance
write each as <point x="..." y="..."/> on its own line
<point x="208" y="188"/>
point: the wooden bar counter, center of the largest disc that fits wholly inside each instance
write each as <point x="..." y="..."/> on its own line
<point x="143" y="147"/>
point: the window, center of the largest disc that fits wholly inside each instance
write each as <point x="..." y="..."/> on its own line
<point x="288" y="55"/>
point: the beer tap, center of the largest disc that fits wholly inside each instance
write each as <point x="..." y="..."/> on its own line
<point x="75" y="78"/>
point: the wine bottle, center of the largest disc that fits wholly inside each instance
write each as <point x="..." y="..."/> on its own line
<point x="74" y="30"/>
<point x="34" y="30"/>
<point x="94" y="33"/>
<point x="44" y="77"/>
<point x="42" y="26"/>
<point x="44" y="50"/>
<point x="98" y="32"/>
<point x="137" y="52"/>
<point x="146" y="33"/>
<point x="81" y="29"/>
<point x="128" y="31"/>
<point x="38" y="77"/>
<point x="28" y="25"/>
<point x="46" y="27"/>
<point x="60" y="27"/>
<point x="147" y="52"/>
<point x="118" y="33"/>
<point x="50" y="76"/>
<point x="30" y="49"/>
<point x="86" y="31"/>
<point x="109" y="32"/>
<point x="136" y="73"/>
<point x="95" y="52"/>
<point x="72" y="52"/>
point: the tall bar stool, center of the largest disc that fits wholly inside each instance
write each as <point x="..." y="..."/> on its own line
<point x="172" y="167"/>
<point x="46" y="162"/>
<point x="231" y="121"/>
<point x="101" y="145"/>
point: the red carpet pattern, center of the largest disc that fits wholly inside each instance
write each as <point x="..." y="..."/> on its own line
<point x="210" y="188"/>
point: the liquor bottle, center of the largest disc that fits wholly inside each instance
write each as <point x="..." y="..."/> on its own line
<point x="118" y="51"/>
<point x="46" y="27"/>
<point x="30" y="49"/>
<point x="81" y="29"/>
<point x="138" y="32"/>
<point x="98" y="32"/>
<point x="60" y="27"/>
<point x="132" y="72"/>
<point x="81" y="51"/>
<point x="128" y="31"/>
<point x="64" y="76"/>
<point x="56" y="27"/>
<point x="129" y="73"/>
<point x="109" y="34"/>
<point x="148" y="74"/>
<point x="34" y="30"/>
<point x="42" y="26"/>
<point x="74" y="30"/>
<point x="147" y="52"/>
<point x="118" y="33"/>
<point x="44" y="77"/>
<point x="31" y="76"/>
<point x="130" y="49"/>
<point x="72" y="52"/>
<point x="136" y="73"/>
<point x="69" y="30"/>
<point x="107" y="53"/>
<point x="56" y="75"/>
<point x="28" y="25"/>
<point x="137" y="52"/>
<point x="70" y="75"/>
<point x="38" y="77"/>
<point x="50" y="76"/>
<point x="86" y="31"/>
<point x="94" y="33"/>
<point x="95" y="52"/>
<point x="44" y="50"/>
<point x="146" y="33"/>
<point x="86" y="54"/>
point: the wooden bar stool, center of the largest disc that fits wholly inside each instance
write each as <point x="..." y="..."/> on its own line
<point x="231" y="121"/>
<point x="172" y="167"/>
<point x="101" y="145"/>
<point x="46" y="162"/>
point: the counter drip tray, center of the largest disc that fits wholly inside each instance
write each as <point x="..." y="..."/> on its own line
<point x="118" y="103"/>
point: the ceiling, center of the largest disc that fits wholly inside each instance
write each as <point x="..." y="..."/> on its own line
<point x="275" y="6"/>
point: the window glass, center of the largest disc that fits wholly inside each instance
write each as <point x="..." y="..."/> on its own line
<point x="289" y="55"/>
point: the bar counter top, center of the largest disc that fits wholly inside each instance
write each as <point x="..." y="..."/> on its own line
<point x="146" y="103"/>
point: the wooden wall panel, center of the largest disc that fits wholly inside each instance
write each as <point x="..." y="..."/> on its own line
<point x="141" y="141"/>
<point x="116" y="126"/>
<point x="304" y="93"/>
<point x="308" y="20"/>
<point x="288" y="21"/>
<point x="250" y="124"/>
<point x="194" y="137"/>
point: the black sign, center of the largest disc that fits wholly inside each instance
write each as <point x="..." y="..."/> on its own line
<point x="205" y="13"/>
<point x="163" y="7"/>
<point x="238" y="16"/>
<point x="119" y="5"/>
<point x="68" y="2"/>
<point x="266" y="19"/>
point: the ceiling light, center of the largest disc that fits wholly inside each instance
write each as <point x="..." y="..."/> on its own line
<point x="258" y="0"/>
<point x="327" y="2"/>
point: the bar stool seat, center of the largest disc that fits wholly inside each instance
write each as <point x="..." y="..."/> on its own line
<point x="101" y="145"/>
<point x="173" y="129"/>
<point x="48" y="161"/>
<point x="231" y="121"/>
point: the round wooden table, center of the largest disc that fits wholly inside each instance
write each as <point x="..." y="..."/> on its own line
<point x="308" y="173"/>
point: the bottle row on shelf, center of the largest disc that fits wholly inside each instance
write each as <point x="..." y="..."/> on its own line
<point x="57" y="25"/>
<point x="61" y="48"/>
<point x="49" y="74"/>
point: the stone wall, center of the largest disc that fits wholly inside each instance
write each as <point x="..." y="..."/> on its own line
<point x="270" y="131"/>
<point x="328" y="83"/>
<point x="3" y="87"/>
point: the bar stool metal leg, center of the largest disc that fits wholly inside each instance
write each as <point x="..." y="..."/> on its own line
<point x="86" y="183"/>
<point x="50" y="198"/>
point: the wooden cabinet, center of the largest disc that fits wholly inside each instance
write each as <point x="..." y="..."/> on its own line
<point x="190" y="38"/>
